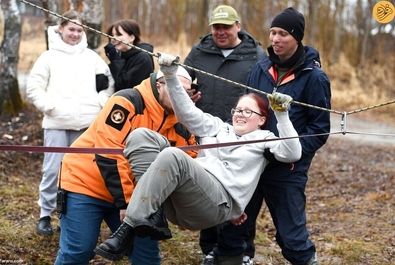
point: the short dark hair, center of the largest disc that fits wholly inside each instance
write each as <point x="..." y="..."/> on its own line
<point x="130" y="26"/>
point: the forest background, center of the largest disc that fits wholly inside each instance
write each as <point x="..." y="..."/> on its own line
<point x="357" y="52"/>
<point x="350" y="194"/>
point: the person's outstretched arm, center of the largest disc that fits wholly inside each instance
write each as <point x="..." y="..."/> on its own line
<point x="198" y="123"/>
<point x="287" y="150"/>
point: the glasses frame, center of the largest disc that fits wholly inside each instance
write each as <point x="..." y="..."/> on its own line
<point x="246" y="113"/>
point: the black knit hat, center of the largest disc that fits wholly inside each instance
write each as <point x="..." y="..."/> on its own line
<point x="292" y="21"/>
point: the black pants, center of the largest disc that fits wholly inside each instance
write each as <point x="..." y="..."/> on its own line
<point x="286" y="203"/>
<point x="225" y="239"/>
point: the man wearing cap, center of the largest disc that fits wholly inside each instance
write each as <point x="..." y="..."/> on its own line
<point x="99" y="186"/>
<point x="291" y="69"/>
<point x="229" y="52"/>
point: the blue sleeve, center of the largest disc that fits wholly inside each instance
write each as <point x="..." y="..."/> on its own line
<point x="317" y="94"/>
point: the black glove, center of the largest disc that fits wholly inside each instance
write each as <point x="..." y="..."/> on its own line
<point x="111" y="53"/>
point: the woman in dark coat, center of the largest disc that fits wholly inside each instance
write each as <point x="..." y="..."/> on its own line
<point x="129" y="66"/>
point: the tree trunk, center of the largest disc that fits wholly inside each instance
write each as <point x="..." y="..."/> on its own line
<point x="337" y="34"/>
<point x="312" y="29"/>
<point x="92" y="13"/>
<point x="10" y="98"/>
<point x="50" y="20"/>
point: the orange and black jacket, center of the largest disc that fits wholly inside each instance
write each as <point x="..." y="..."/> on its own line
<point x="109" y="177"/>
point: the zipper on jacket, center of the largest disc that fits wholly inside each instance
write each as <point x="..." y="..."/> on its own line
<point x="163" y="121"/>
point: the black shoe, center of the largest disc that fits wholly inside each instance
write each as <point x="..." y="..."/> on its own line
<point x="155" y="226"/>
<point x="44" y="227"/>
<point x="118" y="244"/>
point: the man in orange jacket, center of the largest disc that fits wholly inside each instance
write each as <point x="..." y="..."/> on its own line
<point x="98" y="187"/>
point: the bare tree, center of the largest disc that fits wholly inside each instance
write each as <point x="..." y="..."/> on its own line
<point x="337" y="35"/>
<point x="92" y="13"/>
<point x="1" y="25"/>
<point x="312" y="29"/>
<point x="50" y="20"/>
<point x="10" y="99"/>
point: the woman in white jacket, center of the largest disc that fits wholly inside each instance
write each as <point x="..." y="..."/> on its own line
<point x="214" y="187"/>
<point x="69" y="84"/>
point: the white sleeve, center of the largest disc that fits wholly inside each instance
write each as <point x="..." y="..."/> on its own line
<point x="289" y="150"/>
<point x="198" y="123"/>
<point x="37" y="85"/>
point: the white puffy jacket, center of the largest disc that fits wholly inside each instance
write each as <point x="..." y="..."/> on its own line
<point x="62" y="84"/>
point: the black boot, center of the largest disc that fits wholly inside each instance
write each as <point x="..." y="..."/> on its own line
<point x="155" y="226"/>
<point x="118" y="244"/>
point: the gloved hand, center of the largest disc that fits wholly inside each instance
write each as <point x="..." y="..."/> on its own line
<point x="101" y="82"/>
<point x="111" y="52"/>
<point x="168" y="64"/>
<point x="279" y="102"/>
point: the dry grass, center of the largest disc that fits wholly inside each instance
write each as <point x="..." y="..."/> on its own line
<point x="350" y="211"/>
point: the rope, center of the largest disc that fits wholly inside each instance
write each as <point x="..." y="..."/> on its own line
<point x="372" y="107"/>
<point x="119" y="151"/>
<point x="373" y="134"/>
<point x="177" y="63"/>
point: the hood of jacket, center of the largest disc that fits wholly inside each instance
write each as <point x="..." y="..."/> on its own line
<point x="55" y="42"/>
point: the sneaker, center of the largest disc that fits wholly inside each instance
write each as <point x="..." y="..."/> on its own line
<point x="248" y="261"/>
<point x="209" y="259"/>
<point x="44" y="226"/>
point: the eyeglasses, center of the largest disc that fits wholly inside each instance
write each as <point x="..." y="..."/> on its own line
<point x="244" y="112"/>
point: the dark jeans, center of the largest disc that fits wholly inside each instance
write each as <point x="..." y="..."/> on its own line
<point x="286" y="203"/>
<point x="80" y="229"/>
<point x="225" y="239"/>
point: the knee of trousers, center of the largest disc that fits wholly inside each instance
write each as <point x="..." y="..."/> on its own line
<point x="141" y="137"/>
<point x="171" y="155"/>
<point x="144" y="134"/>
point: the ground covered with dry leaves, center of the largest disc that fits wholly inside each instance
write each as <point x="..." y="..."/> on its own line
<point x="351" y="205"/>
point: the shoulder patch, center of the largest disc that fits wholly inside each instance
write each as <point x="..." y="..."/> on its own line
<point x="117" y="117"/>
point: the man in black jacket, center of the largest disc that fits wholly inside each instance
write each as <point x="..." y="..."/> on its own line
<point x="229" y="52"/>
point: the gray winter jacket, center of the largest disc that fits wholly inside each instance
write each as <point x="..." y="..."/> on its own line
<point x="218" y="96"/>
